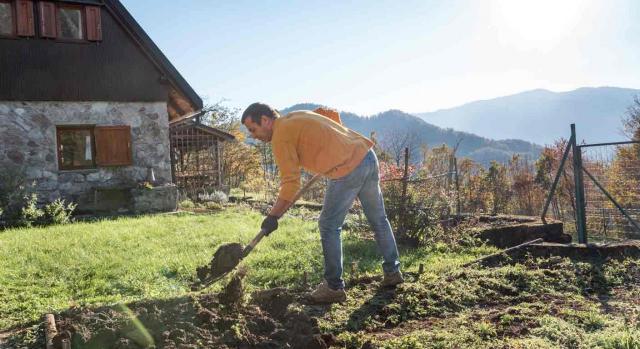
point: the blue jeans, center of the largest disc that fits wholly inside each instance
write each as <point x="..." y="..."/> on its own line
<point x="363" y="182"/>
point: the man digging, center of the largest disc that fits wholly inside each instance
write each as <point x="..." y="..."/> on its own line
<point x="304" y="139"/>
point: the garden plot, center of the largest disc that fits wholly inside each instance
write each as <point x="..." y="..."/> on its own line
<point x="533" y="302"/>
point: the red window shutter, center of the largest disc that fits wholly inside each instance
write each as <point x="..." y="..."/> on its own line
<point x="94" y="25"/>
<point x="24" y="11"/>
<point x="48" y="27"/>
<point x="113" y="145"/>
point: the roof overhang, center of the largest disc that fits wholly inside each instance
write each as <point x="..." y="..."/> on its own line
<point x="182" y="99"/>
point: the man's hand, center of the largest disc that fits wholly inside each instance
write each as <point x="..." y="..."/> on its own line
<point x="269" y="224"/>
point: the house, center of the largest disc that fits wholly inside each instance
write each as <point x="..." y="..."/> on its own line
<point x="86" y="99"/>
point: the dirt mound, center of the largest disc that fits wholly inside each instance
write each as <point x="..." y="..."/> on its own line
<point x="272" y="319"/>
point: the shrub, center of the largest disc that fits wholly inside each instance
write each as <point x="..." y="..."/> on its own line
<point x="186" y="204"/>
<point x="30" y="213"/>
<point x="213" y="205"/>
<point x="14" y="194"/>
<point x="58" y="212"/>
<point x="215" y="196"/>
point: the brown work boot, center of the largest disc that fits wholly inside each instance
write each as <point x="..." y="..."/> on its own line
<point x="324" y="294"/>
<point x="392" y="279"/>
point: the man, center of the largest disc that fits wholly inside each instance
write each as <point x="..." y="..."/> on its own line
<point x="304" y="139"/>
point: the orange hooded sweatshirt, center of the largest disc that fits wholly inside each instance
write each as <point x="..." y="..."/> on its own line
<point x="306" y="140"/>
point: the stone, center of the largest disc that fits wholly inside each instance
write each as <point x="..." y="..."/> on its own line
<point x="71" y="177"/>
<point x="100" y="176"/>
<point x="157" y="199"/>
<point x="34" y="173"/>
<point x="49" y="175"/>
<point x="16" y="156"/>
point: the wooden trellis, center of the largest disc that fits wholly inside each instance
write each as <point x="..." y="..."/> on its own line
<point x="196" y="155"/>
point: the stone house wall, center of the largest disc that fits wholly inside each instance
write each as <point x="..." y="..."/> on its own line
<point x="28" y="141"/>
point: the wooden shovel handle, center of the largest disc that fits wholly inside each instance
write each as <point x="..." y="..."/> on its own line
<point x="261" y="234"/>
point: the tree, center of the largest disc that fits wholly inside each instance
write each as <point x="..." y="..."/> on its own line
<point x="497" y="183"/>
<point x="395" y="140"/>
<point x="631" y="121"/>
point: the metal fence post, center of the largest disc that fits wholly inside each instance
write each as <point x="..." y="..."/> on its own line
<point x="581" y="219"/>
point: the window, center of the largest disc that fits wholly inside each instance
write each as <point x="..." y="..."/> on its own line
<point x="70" y="23"/>
<point x="7" y="22"/>
<point x="76" y="148"/>
<point x="84" y="147"/>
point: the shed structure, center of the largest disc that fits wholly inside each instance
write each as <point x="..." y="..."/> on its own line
<point x="197" y="155"/>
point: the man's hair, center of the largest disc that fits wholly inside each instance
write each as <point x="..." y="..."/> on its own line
<point x="256" y="110"/>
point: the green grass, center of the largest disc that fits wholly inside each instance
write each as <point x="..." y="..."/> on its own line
<point x="535" y="303"/>
<point x="155" y="256"/>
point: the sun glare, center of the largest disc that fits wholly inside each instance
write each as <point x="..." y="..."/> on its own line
<point x="529" y="22"/>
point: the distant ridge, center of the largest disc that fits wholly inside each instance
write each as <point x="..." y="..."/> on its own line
<point x="542" y="116"/>
<point x="480" y="149"/>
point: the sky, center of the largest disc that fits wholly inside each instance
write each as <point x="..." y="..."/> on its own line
<point x="369" y="56"/>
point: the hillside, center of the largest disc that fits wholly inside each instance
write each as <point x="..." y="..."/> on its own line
<point x="542" y="116"/>
<point x="478" y="148"/>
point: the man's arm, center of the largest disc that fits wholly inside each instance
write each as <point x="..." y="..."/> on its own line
<point x="279" y="207"/>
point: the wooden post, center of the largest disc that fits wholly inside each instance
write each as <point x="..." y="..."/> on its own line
<point x="421" y="268"/>
<point x="405" y="182"/>
<point x="305" y="279"/>
<point x="455" y="168"/>
<point x="50" y="330"/>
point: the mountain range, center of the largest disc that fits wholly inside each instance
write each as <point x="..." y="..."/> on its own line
<point x="497" y="128"/>
<point x="396" y="123"/>
<point x="542" y="116"/>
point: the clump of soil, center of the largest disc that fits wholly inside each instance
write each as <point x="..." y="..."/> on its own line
<point x="233" y="293"/>
<point x="224" y="260"/>
<point x="272" y="319"/>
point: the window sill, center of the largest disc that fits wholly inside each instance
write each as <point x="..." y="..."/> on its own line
<point x="80" y="171"/>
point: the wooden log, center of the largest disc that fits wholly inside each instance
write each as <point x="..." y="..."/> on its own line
<point x="50" y="330"/>
<point x="503" y="251"/>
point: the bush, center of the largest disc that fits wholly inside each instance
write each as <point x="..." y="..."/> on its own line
<point x="58" y="212"/>
<point x="30" y="213"/>
<point x="14" y="195"/>
<point x="215" y="196"/>
<point x="213" y="206"/>
<point x="186" y="204"/>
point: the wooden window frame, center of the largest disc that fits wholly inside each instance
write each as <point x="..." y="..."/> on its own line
<point x="14" y="16"/>
<point x="89" y="128"/>
<point x="81" y="8"/>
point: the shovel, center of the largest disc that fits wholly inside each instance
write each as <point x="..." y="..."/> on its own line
<point x="228" y="256"/>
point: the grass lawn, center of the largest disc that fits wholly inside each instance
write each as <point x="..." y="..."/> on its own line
<point x="155" y="256"/>
<point x="143" y="261"/>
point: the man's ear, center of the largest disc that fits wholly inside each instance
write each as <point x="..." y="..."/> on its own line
<point x="265" y="120"/>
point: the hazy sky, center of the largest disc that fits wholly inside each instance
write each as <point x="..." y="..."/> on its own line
<point x="371" y="56"/>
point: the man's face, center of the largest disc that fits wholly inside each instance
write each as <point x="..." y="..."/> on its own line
<point x="262" y="131"/>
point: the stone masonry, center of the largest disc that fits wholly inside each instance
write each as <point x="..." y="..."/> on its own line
<point x="28" y="142"/>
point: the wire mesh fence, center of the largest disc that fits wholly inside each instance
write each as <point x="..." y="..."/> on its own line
<point x="596" y="191"/>
<point x="616" y="169"/>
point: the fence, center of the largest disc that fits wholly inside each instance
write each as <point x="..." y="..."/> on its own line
<point x="597" y="190"/>
<point x="427" y="196"/>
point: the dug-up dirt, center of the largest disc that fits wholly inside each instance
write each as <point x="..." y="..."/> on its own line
<point x="271" y="319"/>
